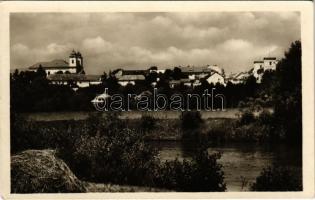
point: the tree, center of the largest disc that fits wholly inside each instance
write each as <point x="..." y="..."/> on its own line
<point x="104" y="77"/>
<point x="40" y="71"/>
<point x="177" y="73"/>
<point x="288" y="95"/>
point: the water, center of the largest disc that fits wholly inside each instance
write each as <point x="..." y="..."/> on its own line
<point x="242" y="163"/>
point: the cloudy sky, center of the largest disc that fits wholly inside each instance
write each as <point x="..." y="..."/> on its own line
<point x="232" y="40"/>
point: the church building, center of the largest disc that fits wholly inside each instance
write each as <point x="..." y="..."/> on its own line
<point x="74" y="66"/>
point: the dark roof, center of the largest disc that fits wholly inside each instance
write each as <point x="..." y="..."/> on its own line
<point x="258" y="61"/>
<point x="134" y="72"/>
<point x="55" y="64"/>
<point x="195" y="69"/>
<point x="270" y="58"/>
<point x="73" y="54"/>
<point x="73" y="77"/>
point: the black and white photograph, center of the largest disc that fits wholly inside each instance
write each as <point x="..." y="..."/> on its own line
<point x="158" y="102"/>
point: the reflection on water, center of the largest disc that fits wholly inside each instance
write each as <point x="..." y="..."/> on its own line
<point x="242" y="163"/>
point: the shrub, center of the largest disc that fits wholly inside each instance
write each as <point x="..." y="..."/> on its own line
<point x="247" y="117"/>
<point x="148" y="123"/>
<point x="203" y="173"/>
<point x="102" y="149"/>
<point x="118" y="157"/>
<point x="191" y="123"/>
<point x="278" y="179"/>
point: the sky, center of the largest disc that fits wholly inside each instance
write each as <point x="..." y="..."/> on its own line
<point x="107" y="41"/>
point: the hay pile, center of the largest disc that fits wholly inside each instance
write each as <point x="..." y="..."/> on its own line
<point x="40" y="171"/>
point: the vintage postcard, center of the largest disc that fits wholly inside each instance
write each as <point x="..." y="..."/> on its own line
<point x="156" y="100"/>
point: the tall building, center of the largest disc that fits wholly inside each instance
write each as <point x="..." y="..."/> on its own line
<point x="268" y="63"/>
<point x="74" y="66"/>
<point x="76" y="60"/>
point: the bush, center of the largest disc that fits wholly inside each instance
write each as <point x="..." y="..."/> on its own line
<point x="120" y="158"/>
<point x="148" y="123"/>
<point x="203" y="173"/>
<point x="278" y="179"/>
<point x="191" y="123"/>
<point x="102" y="149"/>
<point x="247" y="117"/>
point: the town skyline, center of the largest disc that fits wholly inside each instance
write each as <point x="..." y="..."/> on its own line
<point x="140" y="40"/>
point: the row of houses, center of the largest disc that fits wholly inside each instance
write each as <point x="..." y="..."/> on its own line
<point x="191" y="76"/>
<point x="72" y="73"/>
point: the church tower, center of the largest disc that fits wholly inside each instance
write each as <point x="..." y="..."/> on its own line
<point x="76" y="60"/>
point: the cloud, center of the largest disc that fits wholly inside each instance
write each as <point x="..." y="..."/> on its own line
<point x="97" y="44"/>
<point x="232" y="40"/>
<point x="235" y="45"/>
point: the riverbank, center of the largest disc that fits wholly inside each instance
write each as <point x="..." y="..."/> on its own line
<point x="56" y="116"/>
<point x="154" y="126"/>
<point x="241" y="163"/>
<point x="79" y="140"/>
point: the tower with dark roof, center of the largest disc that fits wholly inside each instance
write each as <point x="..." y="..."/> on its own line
<point x="76" y="60"/>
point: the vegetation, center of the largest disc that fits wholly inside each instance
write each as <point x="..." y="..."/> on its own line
<point x="103" y="150"/>
<point x="32" y="92"/>
<point x="278" y="179"/>
<point x="201" y="174"/>
<point x="148" y="123"/>
<point x="106" y="149"/>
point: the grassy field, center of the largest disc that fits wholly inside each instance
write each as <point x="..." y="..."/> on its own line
<point x="55" y="116"/>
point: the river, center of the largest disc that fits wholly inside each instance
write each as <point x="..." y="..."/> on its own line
<point x="241" y="163"/>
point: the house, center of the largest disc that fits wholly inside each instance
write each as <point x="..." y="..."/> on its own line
<point x="215" y="78"/>
<point x="197" y="73"/>
<point x="192" y="70"/>
<point x="130" y="76"/>
<point x="238" y="77"/>
<point x="216" y="68"/>
<point x="75" y="80"/>
<point x="268" y="63"/>
<point x="258" y="70"/>
<point x="121" y="72"/>
<point x="174" y="83"/>
<point x="154" y="69"/>
<point x="186" y="82"/>
<point x="130" y="79"/>
<point x="61" y="72"/>
<point x="74" y="66"/>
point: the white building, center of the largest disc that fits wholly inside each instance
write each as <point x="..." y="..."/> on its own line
<point x="130" y="79"/>
<point x="215" y="78"/>
<point x="268" y="63"/>
<point x="258" y="70"/>
<point x="75" y="80"/>
<point x="238" y="78"/>
<point x="216" y="68"/>
<point x="75" y="65"/>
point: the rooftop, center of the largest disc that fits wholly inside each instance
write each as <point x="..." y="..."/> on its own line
<point x="138" y="77"/>
<point x="195" y="69"/>
<point x="134" y="72"/>
<point x="73" y="77"/>
<point x="55" y="64"/>
<point x="270" y="58"/>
